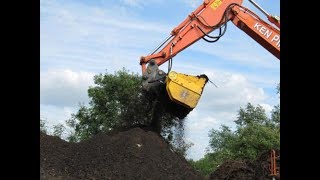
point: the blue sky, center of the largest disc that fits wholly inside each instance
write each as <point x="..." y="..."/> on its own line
<point x="79" y="39"/>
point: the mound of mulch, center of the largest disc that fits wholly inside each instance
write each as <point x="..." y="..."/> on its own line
<point x="129" y="154"/>
<point x="233" y="170"/>
<point x="245" y="170"/>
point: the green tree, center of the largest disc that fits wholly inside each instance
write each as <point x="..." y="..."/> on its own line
<point x="278" y="88"/>
<point x="43" y="126"/>
<point x="251" y="115"/>
<point x="58" y="130"/>
<point x="72" y="137"/>
<point x="204" y="165"/>
<point x="221" y="139"/>
<point x="275" y="114"/>
<point x="116" y="101"/>
<point x="254" y="134"/>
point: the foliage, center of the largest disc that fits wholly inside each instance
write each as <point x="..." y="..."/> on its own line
<point x="255" y="133"/>
<point x="209" y="162"/>
<point x="58" y="130"/>
<point x="117" y="101"/>
<point x="251" y="115"/>
<point x="275" y="115"/>
<point x="43" y="126"/>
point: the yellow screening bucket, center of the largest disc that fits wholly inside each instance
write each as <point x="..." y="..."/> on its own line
<point x="185" y="89"/>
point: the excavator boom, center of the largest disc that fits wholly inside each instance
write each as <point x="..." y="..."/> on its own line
<point x="209" y="16"/>
<point x="186" y="90"/>
<point x="265" y="34"/>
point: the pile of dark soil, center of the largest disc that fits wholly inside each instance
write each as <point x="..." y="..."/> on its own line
<point x="131" y="154"/>
<point x="262" y="163"/>
<point x="245" y="170"/>
<point x="233" y="170"/>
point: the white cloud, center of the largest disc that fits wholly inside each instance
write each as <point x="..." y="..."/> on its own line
<point x="140" y="3"/>
<point x="93" y="38"/>
<point x="233" y="90"/>
<point x="200" y="125"/>
<point x="193" y="3"/>
<point x="64" y="87"/>
<point x="267" y="107"/>
<point x="135" y="3"/>
<point x="219" y="106"/>
<point x="55" y="114"/>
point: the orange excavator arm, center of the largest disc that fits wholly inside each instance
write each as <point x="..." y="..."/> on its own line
<point x="212" y="15"/>
<point x="262" y="32"/>
<point x="185" y="90"/>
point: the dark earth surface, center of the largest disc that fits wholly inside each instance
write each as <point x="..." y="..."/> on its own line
<point x="245" y="170"/>
<point x="131" y="154"/>
<point x="135" y="153"/>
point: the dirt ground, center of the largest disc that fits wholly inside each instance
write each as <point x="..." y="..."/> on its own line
<point x="135" y="153"/>
<point x="233" y="170"/>
<point x="244" y="170"/>
<point x="131" y="154"/>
